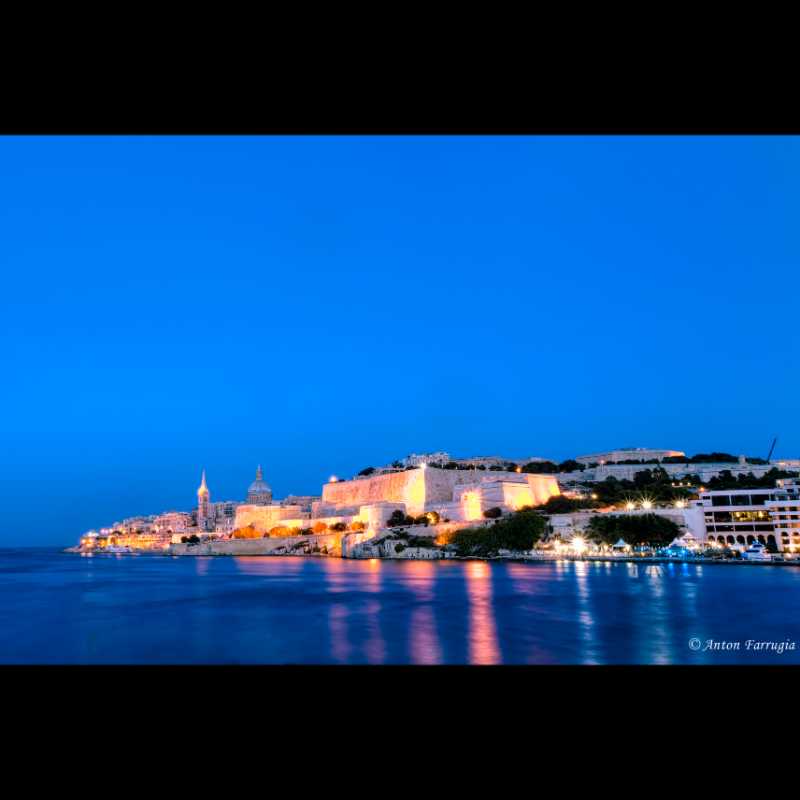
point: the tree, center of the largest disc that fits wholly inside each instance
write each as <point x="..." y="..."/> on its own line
<point x="493" y="513"/>
<point x="570" y="465"/>
<point x="516" y="532"/>
<point x="357" y="525"/>
<point x="649" y="529"/>
<point x="433" y="517"/>
<point x="319" y="527"/>
<point x="564" y="505"/>
<point x="397" y="517"/>
<point x="367" y="471"/>
<point x="708" y="458"/>
<point x="338" y="527"/>
<point x="535" y="467"/>
<point x="422" y="520"/>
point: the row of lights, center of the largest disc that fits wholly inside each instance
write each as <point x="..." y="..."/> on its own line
<point x="648" y="504"/>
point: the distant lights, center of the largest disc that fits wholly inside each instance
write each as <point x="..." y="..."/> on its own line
<point x="630" y="506"/>
<point x="646" y="504"/>
<point x="680" y="504"/>
<point x="332" y="479"/>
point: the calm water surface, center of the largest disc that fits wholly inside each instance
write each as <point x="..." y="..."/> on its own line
<point x="65" y="609"/>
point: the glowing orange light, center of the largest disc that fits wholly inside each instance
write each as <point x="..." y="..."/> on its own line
<point x="472" y="505"/>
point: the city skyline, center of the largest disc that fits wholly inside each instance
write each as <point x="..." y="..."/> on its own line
<point x="319" y="305"/>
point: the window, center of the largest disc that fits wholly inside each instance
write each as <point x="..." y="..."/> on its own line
<point x="720" y="500"/>
<point x="740" y="500"/>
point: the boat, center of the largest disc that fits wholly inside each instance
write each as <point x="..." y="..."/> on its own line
<point x="757" y="552"/>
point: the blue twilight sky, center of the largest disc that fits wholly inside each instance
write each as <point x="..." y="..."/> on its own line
<point x="321" y="304"/>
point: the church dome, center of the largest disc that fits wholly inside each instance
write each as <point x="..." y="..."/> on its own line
<point x="259" y="491"/>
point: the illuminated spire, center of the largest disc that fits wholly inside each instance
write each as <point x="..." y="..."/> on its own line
<point x="203" y="488"/>
<point x="259" y="476"/>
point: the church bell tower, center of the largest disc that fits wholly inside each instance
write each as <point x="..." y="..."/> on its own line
<point x="203" y="505"/>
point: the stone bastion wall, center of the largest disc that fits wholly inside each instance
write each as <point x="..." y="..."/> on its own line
<point x="422" y="489"/>
<point x="285" y="545"/>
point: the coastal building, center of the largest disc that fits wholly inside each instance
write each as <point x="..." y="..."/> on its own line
<point x="417" y="459"/>
<point x="784" y="510"/>
<point x="704" y="471"/>
<point x="488" y="462"/>
<point x="629" y="454"/>
<point x="440" y="458"/>
<point x="173" y="522"/>
<point x="739" y="517"/>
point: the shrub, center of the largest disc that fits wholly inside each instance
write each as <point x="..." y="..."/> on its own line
<point x="279" y="531"/>
<point x="433" y="517"/>
<point x="564" y="505"/>
<point x="319" y="527"/>
<point x="338" y="526"/>
<point x="398" y="548"/>
<point x="248" y="532"/>
<point x="357" y="525"/>
<point x="422" y="520"/>
<point x="536" y="467"/>
<point x="421" y="541"/>
<point x="398" y="517"/>
<point x="493" y="513"/>
<point x="306" y="531"/>
<point x="367" y="471"/>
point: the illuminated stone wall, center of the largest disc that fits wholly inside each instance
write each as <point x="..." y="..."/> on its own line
<point x="285" y="545"/>
<point x="427" y="488"/>
<point x="262" y="518"/>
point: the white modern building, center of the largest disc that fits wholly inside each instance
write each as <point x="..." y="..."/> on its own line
<point x="784" y="510"/>
<point x="739" y="517"/>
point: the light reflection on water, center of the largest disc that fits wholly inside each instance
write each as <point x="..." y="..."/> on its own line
<point x="424" y="646"/>
<point x="57" y="608"/>
<point x="586" y="622"/>
<point x="483" y="644"/>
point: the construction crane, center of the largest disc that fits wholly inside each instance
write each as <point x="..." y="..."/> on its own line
<point x="774" y="441"/>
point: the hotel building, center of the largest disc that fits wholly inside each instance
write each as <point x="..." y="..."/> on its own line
<point x="739" y="517"/>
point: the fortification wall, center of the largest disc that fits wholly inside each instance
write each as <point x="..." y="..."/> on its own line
<point x="262" y="518"/>
<point x="286" y="545"/>
<point x="423" y="489"/>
